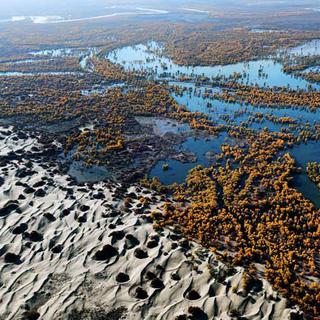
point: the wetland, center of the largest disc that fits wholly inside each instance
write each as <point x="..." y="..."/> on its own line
<point x="220" y="121"/>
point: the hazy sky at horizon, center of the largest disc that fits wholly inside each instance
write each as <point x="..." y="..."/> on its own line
<point x="69" y="7"/>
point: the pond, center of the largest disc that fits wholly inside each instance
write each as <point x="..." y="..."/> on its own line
<point x="311" y="48"/>
<point x="84" y="54"/>
<point x="82" y="173"/>
<point x="304" y="153"/>
<point x="204" y="149"/>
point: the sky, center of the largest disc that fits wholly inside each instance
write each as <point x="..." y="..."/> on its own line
<point x="80" y="8"/>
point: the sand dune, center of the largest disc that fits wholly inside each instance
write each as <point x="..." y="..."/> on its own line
<point x="90" y="251"/>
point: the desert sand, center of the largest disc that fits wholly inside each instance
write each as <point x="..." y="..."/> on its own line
<point x="90" y="251"/>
